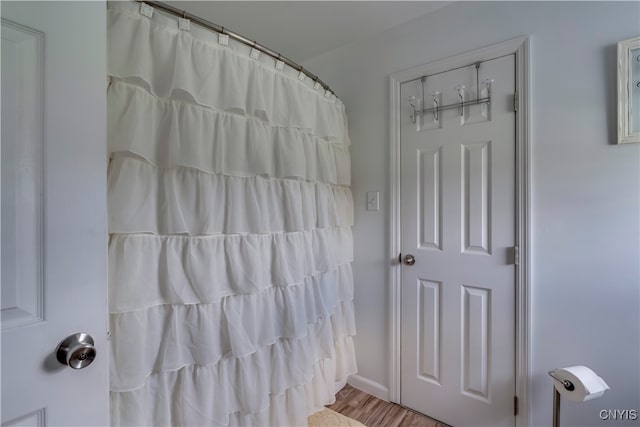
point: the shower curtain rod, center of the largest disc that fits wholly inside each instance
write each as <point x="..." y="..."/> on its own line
<point x="222" y="30"/>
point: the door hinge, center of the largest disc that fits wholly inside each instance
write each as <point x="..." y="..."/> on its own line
<point x="515" y="101"/>
<point x="515" y="406"/>
<point x="514" y="255"/>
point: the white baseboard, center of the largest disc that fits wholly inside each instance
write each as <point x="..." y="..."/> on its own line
<point x="368" y="386"/>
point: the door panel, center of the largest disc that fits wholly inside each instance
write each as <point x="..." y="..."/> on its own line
<point x="429" y="333"/>
<point x="430" y="195"/>
<point x="53" y="191"/>
<point x="458" y="220"/>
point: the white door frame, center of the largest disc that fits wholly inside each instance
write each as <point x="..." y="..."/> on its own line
<point x="519" y="47"/>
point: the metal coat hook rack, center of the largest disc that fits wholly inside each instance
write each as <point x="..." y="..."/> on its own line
<point x="459" y="105"/>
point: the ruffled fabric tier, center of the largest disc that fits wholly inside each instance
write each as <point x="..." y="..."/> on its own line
<point x="180" y="200"/>
<point x="150" y="270"/>
<point x="216" y="141"/>
<point x="181" y="133"/>
<point x="230" y="213"/>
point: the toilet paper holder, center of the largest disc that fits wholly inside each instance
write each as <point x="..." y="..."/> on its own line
<point x="568" y="385"/>
<point x="571" y="387"/>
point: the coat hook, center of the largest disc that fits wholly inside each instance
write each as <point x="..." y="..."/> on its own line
<point x="460" y="89"/>
<point x="412" y="100"/>
<point x="487" y="84"/>
<point x="423" y="79"/>
<point x="436" y="104"/>
<point x="477" y="80"/>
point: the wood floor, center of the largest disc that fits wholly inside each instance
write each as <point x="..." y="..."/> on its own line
<point x="374" y="412"/>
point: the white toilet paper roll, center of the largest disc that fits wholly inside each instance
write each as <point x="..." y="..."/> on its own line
<point x="587" y="385"/>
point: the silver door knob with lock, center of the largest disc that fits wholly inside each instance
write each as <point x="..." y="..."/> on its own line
<point x="409" y="259"/>
<point x="76" y="351"/>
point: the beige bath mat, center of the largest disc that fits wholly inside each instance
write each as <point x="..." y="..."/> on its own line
<point x="329" y="418"/>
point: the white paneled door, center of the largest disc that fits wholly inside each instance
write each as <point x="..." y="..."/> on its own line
<point x="458" y="222"/>
<point x="53" y="176"/>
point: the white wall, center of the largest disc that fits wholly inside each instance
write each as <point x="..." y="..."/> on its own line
<point x="585" y="190"/>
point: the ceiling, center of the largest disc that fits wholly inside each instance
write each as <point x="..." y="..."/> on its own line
<point x="301" y="30"/>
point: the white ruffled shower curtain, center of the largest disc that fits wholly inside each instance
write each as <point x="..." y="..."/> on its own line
<point x="230" y="216"/>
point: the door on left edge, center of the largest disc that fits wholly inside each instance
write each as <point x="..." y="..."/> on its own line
<point x="54" y="224"/>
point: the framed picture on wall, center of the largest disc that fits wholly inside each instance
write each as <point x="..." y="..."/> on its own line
<point x="629" y="91"/>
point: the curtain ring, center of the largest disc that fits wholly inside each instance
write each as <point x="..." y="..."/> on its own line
<point x="184" y="14"/>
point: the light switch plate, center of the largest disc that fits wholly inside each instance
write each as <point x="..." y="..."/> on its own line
<point x="373" y="200"/>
